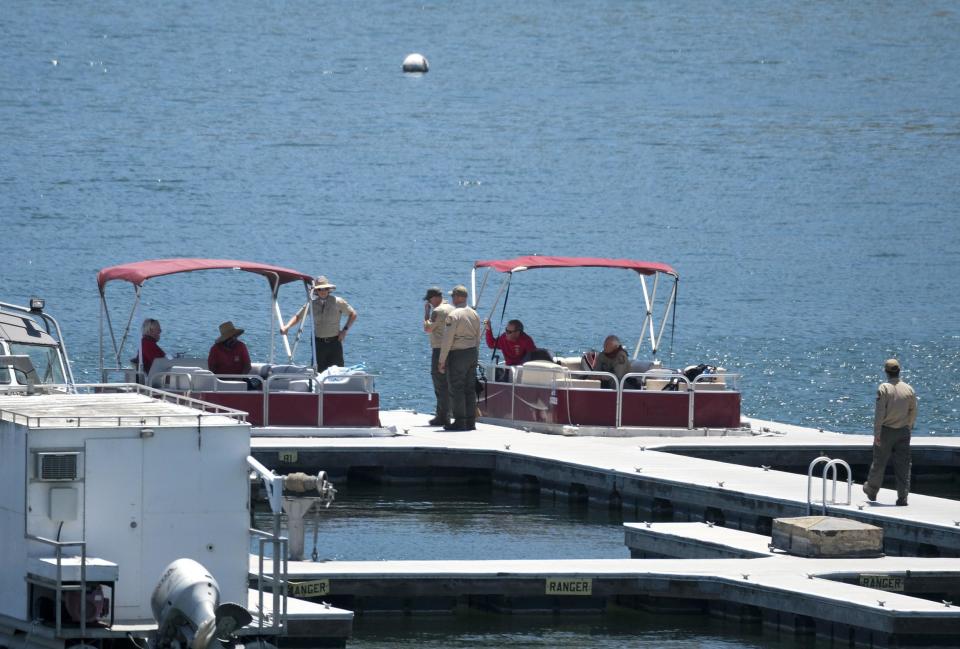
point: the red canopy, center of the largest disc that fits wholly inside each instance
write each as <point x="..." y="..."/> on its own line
<point x="537" y="261"/>
<point x="139" y="272"/>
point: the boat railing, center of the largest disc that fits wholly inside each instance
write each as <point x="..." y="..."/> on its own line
<point x="59" y="587"/>
<point x="204" y="410"/>
<point x="666" y="381"/>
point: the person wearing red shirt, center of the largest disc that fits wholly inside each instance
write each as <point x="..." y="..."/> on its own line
<point x="514" y="344"/>
<point x="228" y="355"/>
<point x="148" y="345"/>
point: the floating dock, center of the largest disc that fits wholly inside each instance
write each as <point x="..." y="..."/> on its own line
<point x="642" y="477"/>
<point x="707" y="521"/>
<point x="804" y="596"/>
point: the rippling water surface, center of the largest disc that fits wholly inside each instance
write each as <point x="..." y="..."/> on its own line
<point x="797" y="164"/>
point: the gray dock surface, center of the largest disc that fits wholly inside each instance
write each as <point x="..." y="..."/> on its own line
<point x="638" y="473"/>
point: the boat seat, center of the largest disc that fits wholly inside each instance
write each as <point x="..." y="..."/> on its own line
<point x="203" y="380"/>
<point x="660" y="379"/>
<point x="570" y="362"/>
<point x="346" y="383"/>
<point x="717" y="385"/>
<point x="541" y="373"/>
<point x="547" y="374"/>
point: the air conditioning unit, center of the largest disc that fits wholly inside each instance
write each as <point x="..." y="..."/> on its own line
<point x="58" y="466"/>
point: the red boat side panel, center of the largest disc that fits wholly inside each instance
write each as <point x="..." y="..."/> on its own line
<point x="294" y="409"/>
<point x="302" y="409"/>
<point x="250" y="402"/>
<point x="351" y="409"/>
<point x="545" y="405"/>
<point x="660" y="409"/>
<point x="716" y="409"/>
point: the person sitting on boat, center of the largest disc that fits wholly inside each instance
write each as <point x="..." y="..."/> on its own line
<point x="513" y="342"/>
<point x="612" y="359"/>
<point x="228" y="355"/>
<point x="327" y="311"/>
<point x="149" y="349"/>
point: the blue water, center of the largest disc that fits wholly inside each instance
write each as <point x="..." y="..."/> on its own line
<point x="797" y="164"/>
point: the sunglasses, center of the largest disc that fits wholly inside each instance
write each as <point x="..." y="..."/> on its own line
<point x="511" y="331"/>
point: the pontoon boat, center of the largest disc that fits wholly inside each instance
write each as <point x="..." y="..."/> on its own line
<point x="567" y="395"/>
<point x="290" y="399"/>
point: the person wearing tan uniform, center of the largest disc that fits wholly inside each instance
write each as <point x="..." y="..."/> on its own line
<point x="893" y="420"/>
<point x="613" y="358"/>
<point x="458" y="360"/>
<point x="326" y="310"/>
<point x="435" y="315"/>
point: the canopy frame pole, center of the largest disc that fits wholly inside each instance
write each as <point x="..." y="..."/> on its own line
<point x="296" y="340"/>
<point x="118" y="349"/>
<point x="274" y="280"/>
<point x="100" y="335"/>
<point x="473" y="285"/>
<point x="654" y="343"/>
<point x="646" y="318"/>
<point x="503" y="286"/>
<point x="666" y="311"/>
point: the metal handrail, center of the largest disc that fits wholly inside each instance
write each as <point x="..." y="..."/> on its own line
<point x="832" y="465"/>
<point x="60" y="545"/>
<point x="207" y="409"/>
<point x="278" y="578"/>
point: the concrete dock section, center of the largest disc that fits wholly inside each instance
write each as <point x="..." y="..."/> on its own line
<point x="308" y="623"/>
<point x="701" y="509"/>
<point x="640" y="476"/>
<point x="805" y="595"/>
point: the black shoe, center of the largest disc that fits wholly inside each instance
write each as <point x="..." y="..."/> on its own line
<point x="871" y="493"/>
<point x="457" y="424"/>
<point x="438" y="421"/>
<point x="901" y="502"/>
<point x="469" y="424"/>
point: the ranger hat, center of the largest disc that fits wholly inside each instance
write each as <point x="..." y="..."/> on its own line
<point x="323" y="282"/>
<point x="459" y="289"/>
<point x="433" y="291"/>
<point x="228" y="331"/>
<point x="892" y="365"/>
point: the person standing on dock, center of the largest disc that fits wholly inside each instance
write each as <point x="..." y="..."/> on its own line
<point x="435" y="313"/>
<point x="893" y="420"/>
<point x="327" y="311"/>
<point x="458" y="360"/>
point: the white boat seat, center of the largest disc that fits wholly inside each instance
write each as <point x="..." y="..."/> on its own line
<point x="542" y="373"/>
<point x="570" y="362"/>
<point x="547" y="374"/>
<point x="346" y="383"/>
<point x="712" y="386"/>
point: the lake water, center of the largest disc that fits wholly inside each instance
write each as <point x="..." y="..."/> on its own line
<point x="798" y="165"/>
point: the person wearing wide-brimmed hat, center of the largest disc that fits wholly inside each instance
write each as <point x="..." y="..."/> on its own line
<point x="327" y="310"/>
<point x="893" y="420"/>
<point x="458" y="360"/>
<point x="228" y="354"/>
<point x="436" y="310"/>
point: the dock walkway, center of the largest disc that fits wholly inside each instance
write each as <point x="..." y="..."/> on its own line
<point x="635" y="473"/>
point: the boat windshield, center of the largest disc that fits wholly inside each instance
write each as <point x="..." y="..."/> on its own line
<point x="45" y="359"/>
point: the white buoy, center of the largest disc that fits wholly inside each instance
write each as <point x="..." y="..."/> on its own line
<point x="416" y="63"/>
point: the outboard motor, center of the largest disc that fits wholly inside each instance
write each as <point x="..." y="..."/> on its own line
<point x="186" y="606"/>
